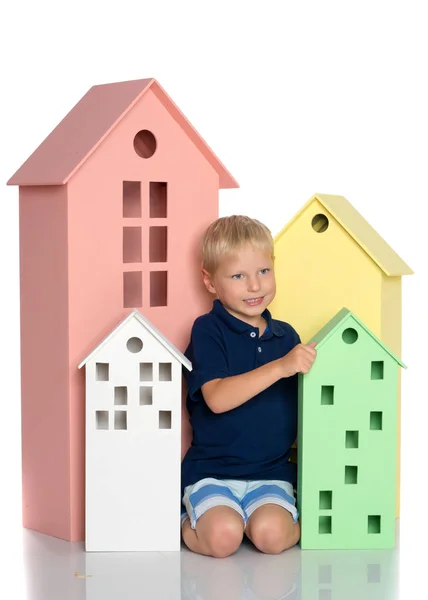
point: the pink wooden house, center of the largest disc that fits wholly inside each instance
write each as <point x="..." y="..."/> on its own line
<point x="112" y="207"/>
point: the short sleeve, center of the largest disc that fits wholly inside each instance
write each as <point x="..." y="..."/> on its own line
<point x="291" y="337"/>
<point x="294" y="379"/>
<point x="207" y="353"/>
<point x="297" y="339"/>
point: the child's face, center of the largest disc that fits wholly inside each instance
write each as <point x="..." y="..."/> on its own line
<point x="244" y="283"/>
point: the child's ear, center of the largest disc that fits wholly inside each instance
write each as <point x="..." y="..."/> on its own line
<point x="208" y="282"/>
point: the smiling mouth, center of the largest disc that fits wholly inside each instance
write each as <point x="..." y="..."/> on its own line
<point x="254" y="301"/>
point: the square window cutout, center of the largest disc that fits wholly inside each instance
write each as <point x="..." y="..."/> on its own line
<point x="351" y="439"/>
<point x="377" y="369"/>
<point x="373" y="524"/>
<point x="351" y="474"/>
<point x="324" y="524"/>
<point x="326" y="500"/>
<point x="327" y="395"/>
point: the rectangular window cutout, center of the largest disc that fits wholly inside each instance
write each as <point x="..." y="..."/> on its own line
<point x="351" y="440"/>
<point x="373" y="573"/>
<point x="324" y="595"/>
<point x="158" y="199"/>
<point x="324" y="574"/>
<point x="326" y="499"/>
<point x="165" y="372"/>
<point x="121" y="395"/>
<point x="131" y="199"/>
<point x="120" y="419"/>
<point x="327" y="394"/>
<point x="324" y="524"/>
<point x="132" y="244"/>
<point x="377" y="369"/>
<point x="146" y="372"/>
<point x="373" y="524"/>
<point x="158" y="288"/>
<point x="165" y="419"/>
<point x="101" y="419"/>
<point x="132" y="289"/>
<point x="101" y="371"/>
<point x="157" y="244"/>
<point x="146" y="395"/>
<point x="351" y="474"/>
<point x="376" y="421"/>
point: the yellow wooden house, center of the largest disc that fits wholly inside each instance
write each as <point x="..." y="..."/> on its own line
<point x="326" y="257"/>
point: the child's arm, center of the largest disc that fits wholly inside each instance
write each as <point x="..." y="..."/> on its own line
<point x="225" y="394"/>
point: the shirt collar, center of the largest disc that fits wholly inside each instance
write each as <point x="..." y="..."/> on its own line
<point x="239" y="326"/>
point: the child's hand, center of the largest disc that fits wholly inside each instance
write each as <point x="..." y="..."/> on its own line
<point x="299" y="360"/>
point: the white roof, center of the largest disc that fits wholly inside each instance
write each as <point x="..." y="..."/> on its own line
<point x="135" y="314"/>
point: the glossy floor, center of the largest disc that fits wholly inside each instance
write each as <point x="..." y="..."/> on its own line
<point x="53" y="569"/>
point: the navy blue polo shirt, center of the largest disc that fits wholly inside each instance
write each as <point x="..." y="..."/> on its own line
<point x="253" y="440"/>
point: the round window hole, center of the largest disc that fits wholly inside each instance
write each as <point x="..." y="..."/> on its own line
<point x="145" y="143"/>
<point x="134" y="344"/>
<point x="350" y="335"/>
<point x="319" y="223"/>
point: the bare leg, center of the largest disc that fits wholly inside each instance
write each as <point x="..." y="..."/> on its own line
<point x="271" y="529"/>
<point x="219" y="532"/>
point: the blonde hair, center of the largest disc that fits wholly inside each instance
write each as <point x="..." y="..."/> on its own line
<point x="227" y="234"/>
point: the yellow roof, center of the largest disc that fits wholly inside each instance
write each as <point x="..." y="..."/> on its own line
<point x="358" y="228"/>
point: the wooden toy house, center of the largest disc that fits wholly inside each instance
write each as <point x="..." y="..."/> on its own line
<point x="347" y="439"/>
<point x="328" y="256"/>
<point x="112" y="208"/>
<point x="133" y="439"/>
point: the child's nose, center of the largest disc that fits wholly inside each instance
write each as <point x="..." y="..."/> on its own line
<point x="253" y="284"/>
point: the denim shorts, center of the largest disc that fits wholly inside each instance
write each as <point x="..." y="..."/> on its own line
<point x="243" y="496"/>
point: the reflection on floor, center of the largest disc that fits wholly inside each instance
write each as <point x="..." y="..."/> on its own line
<point x="58" y="570"/>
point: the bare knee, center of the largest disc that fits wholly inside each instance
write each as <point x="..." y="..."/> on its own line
<point x="271" y="539"/>
<point x="225" y="539"/>
<point x="222" y="532"/>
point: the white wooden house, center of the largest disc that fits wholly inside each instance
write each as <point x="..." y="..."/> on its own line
<point x="133" y="440"/>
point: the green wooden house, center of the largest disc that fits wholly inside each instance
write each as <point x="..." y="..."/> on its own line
<point x="347" y="439"/>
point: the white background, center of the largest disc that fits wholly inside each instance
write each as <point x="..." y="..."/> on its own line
<point x="294" y="97"/>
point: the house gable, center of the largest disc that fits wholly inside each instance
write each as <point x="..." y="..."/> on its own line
<point x="345" y="316"/>
<point x="135" y="314"/>
<point x="359" y="230"/>
<point x="88" y="124"/>
<point x="133" y="380"/>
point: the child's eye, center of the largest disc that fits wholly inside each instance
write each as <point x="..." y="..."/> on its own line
<point x="264" y="271"/>
<point x="237" y="276"/>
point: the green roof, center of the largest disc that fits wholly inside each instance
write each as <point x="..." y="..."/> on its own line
<point x="337" y="321"/>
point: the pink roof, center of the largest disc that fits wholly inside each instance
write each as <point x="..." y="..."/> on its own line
<point x="83" y="129"/>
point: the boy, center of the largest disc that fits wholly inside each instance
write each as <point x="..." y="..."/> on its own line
<point x="242" y="401"/>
